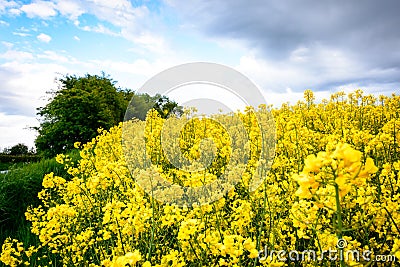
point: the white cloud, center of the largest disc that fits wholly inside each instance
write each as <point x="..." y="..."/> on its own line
<point x="25" y="84"/>
<point x="7" y="44"/>
<point x="207" y="98"/>
<point x="140" y="68"/>
<point x="99" y="29"/>
<point x="322" y="70"/>
<point x="118" y="12"/>
<point x="318" y="67"/>
<point x="300" y="55"/>
<point x="4" y="23"/>
<point x="14" y="129"/>
<point x="14" y="11"/>
<point x="133" y="22"/>
<point x="71" y="9"/>
<point x="76" y="38"/>
<point x="44" y="38"/>
<point x="152" y="43"/>
<point x="53" y="56"/>
<point x="4" y="5"/>
<point x="116" y="4"/>
<point x="271" y="76"/>
<point x="16" y="55"/>
<point x="23" y="29"/>
<point x="22" y="34"/>
<point x="42" y="9"/>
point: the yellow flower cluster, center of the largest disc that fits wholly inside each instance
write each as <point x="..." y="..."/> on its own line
<point x="341" y="168"/>
<point x="14" y="253"/>
<point x="334" y="177"/>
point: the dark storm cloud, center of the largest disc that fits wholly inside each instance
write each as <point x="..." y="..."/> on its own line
<point x="280" y="26"/>
<point x="367" y="32"/>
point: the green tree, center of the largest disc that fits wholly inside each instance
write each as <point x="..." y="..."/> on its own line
<point x="16" y="150"/>
<point x="140" y="104"/>
<point x="166" y="107"/>
<point x="81" y="105"/>
<point x="19" y="149"/>
<point x="76" y="110"/>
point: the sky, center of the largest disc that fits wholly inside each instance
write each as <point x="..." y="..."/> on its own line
<point x="284" y="47"/>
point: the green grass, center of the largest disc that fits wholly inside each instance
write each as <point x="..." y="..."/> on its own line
<point x="18" y="190"/>
<point x="6" y="165"/>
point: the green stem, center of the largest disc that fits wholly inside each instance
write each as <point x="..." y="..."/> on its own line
<point x="339" y="227"/>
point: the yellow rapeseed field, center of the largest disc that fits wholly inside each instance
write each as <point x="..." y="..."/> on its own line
<point x="324" y="180"/>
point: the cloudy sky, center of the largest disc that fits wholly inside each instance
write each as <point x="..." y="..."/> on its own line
<point x="284" y="47"/>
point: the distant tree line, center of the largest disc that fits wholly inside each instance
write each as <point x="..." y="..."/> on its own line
<point x="81" y="105"/>
<point x="18" y="150"/>
<point x="17" y="153"/>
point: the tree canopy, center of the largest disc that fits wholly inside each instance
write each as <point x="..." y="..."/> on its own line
<point x="141" y="103"/>
<point x="17" y="150"/>
<point x="81" y="105"/>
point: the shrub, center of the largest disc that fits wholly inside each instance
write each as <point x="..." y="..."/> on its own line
<point x="19" y="188"/>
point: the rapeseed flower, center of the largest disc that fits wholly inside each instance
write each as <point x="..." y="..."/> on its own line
<point x="332" y="175"/>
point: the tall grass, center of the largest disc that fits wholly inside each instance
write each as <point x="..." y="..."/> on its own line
<point x="18" y="190"/>
<point x="5" y="166"/>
